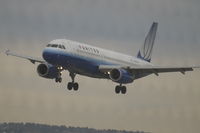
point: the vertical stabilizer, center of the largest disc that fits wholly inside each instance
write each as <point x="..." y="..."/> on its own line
<point x="146" y="50"/>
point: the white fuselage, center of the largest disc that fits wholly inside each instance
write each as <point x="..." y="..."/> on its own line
<point x="81" y="58"/>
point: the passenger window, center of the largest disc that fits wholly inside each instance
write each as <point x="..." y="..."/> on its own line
<point x="63" y="47"/>
<point x="95" y="50"/>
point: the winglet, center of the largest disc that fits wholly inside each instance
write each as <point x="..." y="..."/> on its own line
<point x="7" y="52"/>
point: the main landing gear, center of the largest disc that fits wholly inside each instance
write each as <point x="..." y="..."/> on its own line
<point x="72" y="85"/>
<point x="120" y="88"/>
<point x="75" y="86"/>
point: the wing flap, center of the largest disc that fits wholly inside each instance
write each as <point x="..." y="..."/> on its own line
<point x="157" y="70"/>
<point x="147" y="69"/>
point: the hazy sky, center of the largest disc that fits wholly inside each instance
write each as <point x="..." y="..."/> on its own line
<point x="168" y="103"/>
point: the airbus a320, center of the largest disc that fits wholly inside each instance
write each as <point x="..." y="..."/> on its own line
<point x="94" y="62"/>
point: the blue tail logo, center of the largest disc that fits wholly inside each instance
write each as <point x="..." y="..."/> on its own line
<point x="146" y="50"/>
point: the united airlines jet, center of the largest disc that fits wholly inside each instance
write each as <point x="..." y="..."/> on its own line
<point x="94" y="62"/>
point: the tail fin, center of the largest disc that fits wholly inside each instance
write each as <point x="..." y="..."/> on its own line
<point x="146" y="50"/>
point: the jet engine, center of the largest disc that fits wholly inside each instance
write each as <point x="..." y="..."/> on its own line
<point x="121" y="76"/>
<point x="47" y="71"/>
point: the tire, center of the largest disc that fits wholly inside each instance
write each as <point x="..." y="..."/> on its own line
<point x="123" y="89"/>
<point x="70" y="86"/>
<point x="60" y="80"/>
<point x="117" y="89"/>
<point x="76" y="86"/>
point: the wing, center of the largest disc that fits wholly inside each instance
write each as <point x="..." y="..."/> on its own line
<point x="147" y="69"/>
<point x="31" y="59"/>
<point x="160" y="69"/>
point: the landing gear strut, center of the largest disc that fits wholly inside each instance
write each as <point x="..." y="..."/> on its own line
<point x="58" y="79"/>
<point x="120" y="88"/>
<point x="72" y="85"/>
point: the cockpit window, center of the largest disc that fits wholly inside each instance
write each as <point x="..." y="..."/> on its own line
<point x="63" y="47"/>
<point x="56" y="46"/>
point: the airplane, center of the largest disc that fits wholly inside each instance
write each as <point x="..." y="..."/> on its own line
<point x="94" y="62"/>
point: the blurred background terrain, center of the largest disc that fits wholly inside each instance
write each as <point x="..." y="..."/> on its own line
<point x="168" y="103"/>
<point x="43" y="128"/>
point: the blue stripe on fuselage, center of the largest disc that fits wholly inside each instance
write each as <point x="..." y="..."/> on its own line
<point x="79" y="64"/>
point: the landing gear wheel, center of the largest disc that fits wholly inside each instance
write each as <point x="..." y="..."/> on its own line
<point x="120" y="88"/>
<point x="123" y="89"/>
<point x="58" y="80"/>
<point x="70" y="86"/>
<point x="117" y="89"/>
<point x="75" y="85"/>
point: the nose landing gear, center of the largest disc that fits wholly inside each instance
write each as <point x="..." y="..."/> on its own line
<point x="59" y="78"/>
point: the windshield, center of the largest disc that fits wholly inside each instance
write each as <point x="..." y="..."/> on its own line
<point x="56" y="46"/>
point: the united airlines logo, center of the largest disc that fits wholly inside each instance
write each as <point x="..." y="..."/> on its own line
<point x="146" y="50"/>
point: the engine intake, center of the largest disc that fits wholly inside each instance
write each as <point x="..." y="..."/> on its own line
<point x="47" y="71"/>
<point x="121" y="76"/>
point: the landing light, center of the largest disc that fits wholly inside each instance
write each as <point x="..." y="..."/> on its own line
<point x="60" y="68"/>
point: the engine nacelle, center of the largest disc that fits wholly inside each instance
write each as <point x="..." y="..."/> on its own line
<point x="47" y="71"/>
<point x="121" y="76"/>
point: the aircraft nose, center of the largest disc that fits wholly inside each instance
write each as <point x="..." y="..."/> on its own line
<point x="46" y="54"/>
<point x="49" y="55"/>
